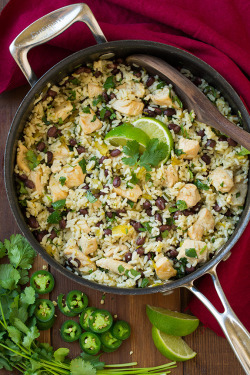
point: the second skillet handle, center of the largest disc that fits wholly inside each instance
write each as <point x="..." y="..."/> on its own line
<point x="47" y="28"/>
<point x="235" y="332"/>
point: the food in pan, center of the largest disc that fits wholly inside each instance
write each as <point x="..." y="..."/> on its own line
<point x="120" y="183"/>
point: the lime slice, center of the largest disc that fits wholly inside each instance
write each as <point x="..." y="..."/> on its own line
<point x="120" y="135"/>
<point x="156" y="129"/>
<point x="172" y="322"/>
<point x="172" y="347"/>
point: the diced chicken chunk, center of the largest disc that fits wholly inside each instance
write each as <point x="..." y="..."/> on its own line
<point x="170" y="176"/>
<point x="190" y="148"/>
<point x="60" y="112"/>
<point x="61" y="153"/>
<point x="128" y="107"/>
<point x="164" y="269"/>
<point x="75" y="253"/>
<point x="74" y="177"/>
<point x="88" y="125"/>
<point x="189" y="194"/>
<point x="131" y="194"/>
<point x="204" y="223"/>
<point x="94" y="90"/>
<point x="21" y="159"/>
<point x="84" y="226"/>
<point x="222" y="179"/>
<point x="88" y="244"/>
<point x="100" y="64"/>
<point x="162" y="97"/>
<point x="200" y="254"/>
<point x="116" y="266"/>
<point x="237" y="194"/>
<point x="135" y="88"/>
<point x="37" y="177"/>
<point x="58" y="191"/>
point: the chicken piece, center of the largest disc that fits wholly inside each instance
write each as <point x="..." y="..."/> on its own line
<point x="164" y="269"/>
<point x="204" y="223"/>
<point x="61" y="153"/>
<point x="189" y="194"/>
<point x="100" y="65"/>
<point x="222" y="179"/>
<point x="74" y="177"/>
<point x="189" y="147"/>
<point x="170" y="176"/>
<point x="58" y="191"/>
<point x="87" y="123"/>
<point x="37" y="176"/>
<point x="201" y="251"/>
<point x="88" y="244"/>
<point x="128" y="107"/>
<point x="94" y="90"/>
<point x="75" y="253"/>
<point x="131" y="194"/>
<point x="84" y="226"/>
<point x="21" y="159"/>
<point x="116" y="266"/>
<point x="135" y="88"/>
<point x="237" y="194"/>
<point x="60" y="112"/>
<point x="162" y="97"/>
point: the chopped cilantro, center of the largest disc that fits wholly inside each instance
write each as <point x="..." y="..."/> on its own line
<point x="144" y="283"/>
<point x="54" y="218"/>
<point x="191" y="253"/>
<point x="72" y="95"/>
<point x="75" y="81"/>
<point x="147" y="177"/>
<point x="86" y="110"/>
<point x="94" y="118"/>
<point x="134" y="272"/>
<point x="134" y="180"/>
<point x="161" y="84"/>
<point x="165" y="233"/>
<point x="113" y="116"/>
<point x="59" y="204"/>
<point x="180" y="206"/>
<point x="96" y="160"/>
<point x="176" y="99"/>
<point x="46" y="122"/>
<point x="109" y="83"/>
<point x="22" y="188"/>
<point x="146" y="227"/>
<point x="130" y="203"/>
<point x="184" y="132"/>
<point x="200" y="185"/>
<point x="238" y="194"/>
<point x="190" y="173"/>
<point x="203" y="249"/>
<point x="32" y="159"/>
<point x="178" y="152"/>
<point x="83" y="164"/>
<point x="97" y="100"/>
<point x="121" y="268"/>
<point x="60" y="121"/>
<point x="222" y="184"/>
<point x="243" y="152"/>
<point x="91" y="198"/>
<point x="62" y="180"/>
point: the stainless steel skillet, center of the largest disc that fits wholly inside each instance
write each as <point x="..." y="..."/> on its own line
<point x="52" y="25"/>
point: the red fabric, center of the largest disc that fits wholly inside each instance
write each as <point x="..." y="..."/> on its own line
<point x="217" y="32"/>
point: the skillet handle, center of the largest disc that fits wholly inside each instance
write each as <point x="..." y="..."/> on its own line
<point x="235" y="332"/>
<point x="47" y="28"/>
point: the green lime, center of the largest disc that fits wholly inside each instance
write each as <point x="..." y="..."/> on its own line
<point x="172" y="322"/>
<point x="156" y="129"/>
<point x="120" y="135"/>
<point x="172" y="347"/>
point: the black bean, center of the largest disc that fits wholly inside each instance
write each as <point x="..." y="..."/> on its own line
<point x="190" y="269"/>
<point x="128" y="256"/>
<point x="107" y="232"/>
<point x="99" y="223"/>
<point x="29" y="184"/>
<point x="197" y="207"/>
<point x="102" y="159"/>
<point x="23" y="177"/>
<point x="112" y="96"/>
<point x="176" y="128"/>
<point x="107" y="114"/>
<point x="136" y="225"/>
<point x="33" y="223"/>
<point x="158" y="111"/>
<point x="115" y="71"/>
<point x="105" y="96"/>
<point x="177" y="214"/>
<point x="201" y="133"/>
<point x="160" y="203"/>
<point x="116" y="182"/>
<point x="52" y="93"/>
<point x="81" y="150"/>
<point x="97" y="195"/>
<point x="147" y="205"/>
<point x="159" y="238"/>
<point x="149" y="212"/>
<point x="137" y="74"/>
<point x="86" y="187"/>
<point x="206" y="159"/>
<point x="53" y="234"/>
<point x="217" y="208"/>
<point x="40" y="146"/>
<point x="165" y="227"/>
<point x="49" y="157"/>
<point x="187" y="212"/>
<point x="50" y="209"/>
<point x="97" y="73"/>
<point x="149" y="255"/>
<point x="62" y="223"/>
<point x="40" y="235"/>
<point x="210" y="143"/>
<point x="197" y="81"/>
<point x="106" y="172"/>
<point x="140" y="240"/>
<point x="120" y="60"/>
<point x="115" y="152"/>
<point x="149" y="112"/>
<point x="222" y="138"/>
<point x="52" y="132"/>
<point x="158" y="217"/>
<point x="140" y="251"/>
<point x="72" y="142"/>
<point x="83" y="211"/>
<point x="231" y="142"/>
<point x="109" y="214"/>
<point x="83" y="69"/>
<point x="172" y="253"/>
<point x="121" y="211"/>
<point x="228" y="213"/>
<point x="150" y="81"/>
<point x="169" y="112"/>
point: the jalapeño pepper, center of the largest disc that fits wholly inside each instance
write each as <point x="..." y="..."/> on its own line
<point x="42" y="281"/>
<point x="100" y="321"/>
<point x="76" y="301"/>
<point x="110" y="341"/>
<point x="121" y="330"/>
<point x="63" y="306"/>
<point x="84" y="318"/>
<point x="44" y="313"/>
<point x="70" y="331"/>
<point x="90" y="343"/>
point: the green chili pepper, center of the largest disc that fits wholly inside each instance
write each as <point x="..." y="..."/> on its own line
<point x="100" y="321"/>
<point x="42" y="281"/>
<point x="70" y="331"/>
<point x="76" y="301"/>
<point x="90" y="343"/>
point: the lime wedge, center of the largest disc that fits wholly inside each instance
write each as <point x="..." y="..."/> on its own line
<point x="172" y="347"/>
<point x="156" y="129"/>
<point x="172" y="322"/>
<point x="120" y="135"/>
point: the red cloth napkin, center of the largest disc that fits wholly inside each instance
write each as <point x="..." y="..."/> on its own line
<point x="217" y="32"/>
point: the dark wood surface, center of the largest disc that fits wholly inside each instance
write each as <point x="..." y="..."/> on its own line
<point x="214" y="353"/>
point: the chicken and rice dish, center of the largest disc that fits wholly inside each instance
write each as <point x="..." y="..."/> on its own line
<point x="127" y="210"/>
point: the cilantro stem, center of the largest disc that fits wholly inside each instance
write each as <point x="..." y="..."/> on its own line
<point x="12" y="350"/>
<point x="1" y="308"/>
<point x="124" y="365"/>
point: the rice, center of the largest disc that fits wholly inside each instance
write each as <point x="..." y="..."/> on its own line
<point x="97" y="223"/>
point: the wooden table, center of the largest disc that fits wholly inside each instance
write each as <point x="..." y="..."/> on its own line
<point x="214" y="353"/>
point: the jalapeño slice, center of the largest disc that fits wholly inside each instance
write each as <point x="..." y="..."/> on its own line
<point x="45" y="310"/>
<point x="76" y="301"/>
<point x="42" y="281"/>
<point x="110" y="341"/>
<point x="121" y="330"/>
<point x="100" y="321"/>
<point x="63" y="306"/>
<point x="70" y="331"/>
<point x="90" y="343"/>
<point x="84" y="318"/>
<point x="43" y="326"/>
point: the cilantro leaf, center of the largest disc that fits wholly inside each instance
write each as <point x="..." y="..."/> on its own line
<point x="14" y="334"/>
<point x="200" y="185"/>
<point x="86" y="110"/>
<point x="180" y="206"/>
<point x="161" y="84"/>
<point x="80" y="367"/>
<point x="20" y="253"/>
<point x="155" y="152"/>
<point x="60" y="354"/>
<point x="31" y="335"/>
<point x="54" y="218"/>
<point x="98" y="100"/>
<point x="243" y="152"/>
<point x="144" y="283"/>
<point x="2" y="250"/>
<point x="94" y="360"/>
<point x="9" y="276"/>
<point x="83" y="164"/>
<point x="24" y="274"/>
<point x="32" y="159"/>
<point x="178" y="152"/>
<point x="22" y="188"/>
<point x="134" y="180"/>
<point x="131" y="150"/>
<point x="59" y="204"/>
<point x="91" y="198"/>
<point x="121" y="269"/>
<point x="72" y="96"/>
<point x="191" y="253"/>
<point x="28" y="296"/>
<point x="62" y="180"/>
<point x="109" y="83"/>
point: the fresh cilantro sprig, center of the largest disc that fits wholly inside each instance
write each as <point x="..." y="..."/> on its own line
<point x="180" y="206"/>
<point x="32" y="159"/>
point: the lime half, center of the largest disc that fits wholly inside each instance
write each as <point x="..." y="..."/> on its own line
<point x="156" y="129"/>
<point x="172" y="322"/>
<point x="172" y="347"/>
<point x="120" y="135"/>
